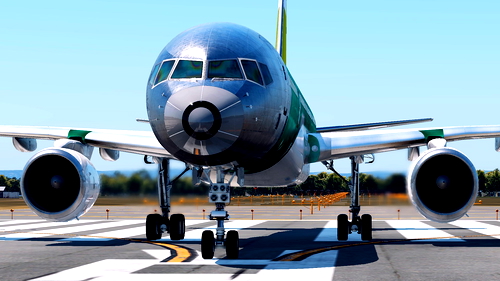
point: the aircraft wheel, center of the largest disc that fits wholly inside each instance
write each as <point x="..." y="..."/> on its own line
<point x="153" y="222"/>
<point x="342" y="227"/>
<point x="177" y="226"/>
<point x="207" y="244"/>
<point x="366" y="227"/>
<point x="232" y="244"/>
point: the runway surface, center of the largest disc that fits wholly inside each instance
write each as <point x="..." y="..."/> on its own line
<point x="272" y="248"/>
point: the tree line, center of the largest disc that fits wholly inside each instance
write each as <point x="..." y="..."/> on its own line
<point x="11" y="184"/>
<point x="141" y="183"/>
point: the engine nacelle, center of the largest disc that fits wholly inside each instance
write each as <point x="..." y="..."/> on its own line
<point x="60" y="184"/>
<point x="443" y="184"/>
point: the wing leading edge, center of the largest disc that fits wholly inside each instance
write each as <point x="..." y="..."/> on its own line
<point x="335" y="145"/>
<point x="138" y="142"/>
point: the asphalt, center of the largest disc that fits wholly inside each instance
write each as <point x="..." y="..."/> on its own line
<point x="276" y="244"/>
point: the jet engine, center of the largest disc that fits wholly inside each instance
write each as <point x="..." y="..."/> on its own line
<point x="442" y="184"/>
<point x="60" y="184"/>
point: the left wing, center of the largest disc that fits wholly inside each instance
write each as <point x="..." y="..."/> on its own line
<point x="335" y="145"/>
<point x="138" y="142"/>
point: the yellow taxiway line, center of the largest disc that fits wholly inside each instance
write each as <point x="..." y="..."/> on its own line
<point x="297" y="256"/>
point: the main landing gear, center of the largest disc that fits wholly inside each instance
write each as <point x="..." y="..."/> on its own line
<point x="157" y="224"/>
<point x="361" y="225"/>
<point x="220" y="194"/>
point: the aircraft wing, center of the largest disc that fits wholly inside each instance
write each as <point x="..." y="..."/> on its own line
<point x="341" y="144"/>
<point x="138" y="142"/>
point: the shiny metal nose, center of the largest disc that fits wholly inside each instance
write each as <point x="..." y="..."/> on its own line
<point x="203" y="120"/>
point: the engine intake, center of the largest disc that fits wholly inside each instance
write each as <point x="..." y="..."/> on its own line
<point x="60" y="184"/>
<point x="443" y="184"/>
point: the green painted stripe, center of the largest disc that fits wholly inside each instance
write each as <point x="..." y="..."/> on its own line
<point x="78" y="135"/>
<point x="305" y="111"/>
<point x="314" y="149"/>
<point x="432" y="134"/>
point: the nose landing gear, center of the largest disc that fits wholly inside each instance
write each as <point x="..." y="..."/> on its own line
<point x="220" y="194"/>
<point x="209" y="242"/>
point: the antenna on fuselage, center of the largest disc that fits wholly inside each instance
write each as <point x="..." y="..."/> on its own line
<point x="281" y="30"/>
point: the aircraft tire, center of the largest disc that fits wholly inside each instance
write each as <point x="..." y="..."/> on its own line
<point x="366" y="227"/>
<point x="207" y="244"/>
<point x="232" y="244"/>
<point x="177" y="227"/>
<point x="342" y="227"/>
<point x="153" y="222"/>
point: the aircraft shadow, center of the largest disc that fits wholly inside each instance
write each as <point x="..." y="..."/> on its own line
<point x="348" y="253"/>
<point x="282" y="242"/>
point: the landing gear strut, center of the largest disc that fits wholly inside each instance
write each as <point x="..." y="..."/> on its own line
<point x="157" y="224"/>
<point x="220" y="194"/>
<point x="363" y="224"/>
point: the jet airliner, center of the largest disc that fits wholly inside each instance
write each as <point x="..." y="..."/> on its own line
<point x="221" y="99"/>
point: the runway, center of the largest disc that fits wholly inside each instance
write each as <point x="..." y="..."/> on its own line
<point x="116" y="249"/>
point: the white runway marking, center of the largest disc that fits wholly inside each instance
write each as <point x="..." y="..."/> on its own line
<point x="320" y="266"/>
<point x="67" y="229"/>
<point x="116" y="269"/>
<point x="480" y="227"/>
<point x="124" y="233"/>
<point x="35" y="226"/>
<point x="5" y="223"/>
<point x="412" y="229"/>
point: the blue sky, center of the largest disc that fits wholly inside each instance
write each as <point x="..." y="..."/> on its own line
<point x="85" y="64"/>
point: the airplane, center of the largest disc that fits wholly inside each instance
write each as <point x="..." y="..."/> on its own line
<point x="221" y="99"/>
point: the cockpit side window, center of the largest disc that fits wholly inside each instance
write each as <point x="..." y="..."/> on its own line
<point x="188" y="69"/>
<point x="252" y="71"/>
<point x="224" y="69"/>
<point x="268" y="79"/>
<point x="152" y="76"/>
<point x="165" y="69"/>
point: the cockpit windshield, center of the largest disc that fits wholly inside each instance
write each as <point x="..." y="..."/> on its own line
<point x="188" y="69"/>
<point x="224" y="69"/>
<point x="165" y="68"/>
<point x="252" y="71"/>
<point x="228" y="69"/>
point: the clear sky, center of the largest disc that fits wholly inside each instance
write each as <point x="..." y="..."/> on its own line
<point x="85" y="64"/>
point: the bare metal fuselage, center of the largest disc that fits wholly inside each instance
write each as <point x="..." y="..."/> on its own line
<point x="239" y="121"/>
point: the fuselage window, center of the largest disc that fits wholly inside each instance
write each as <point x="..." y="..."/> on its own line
<point x="188" y="69"/>
<point x="268" y="79"/>
<point x="252" y="71"/>
<point x="153" y="74"/>
<point x="165" y="69"/>
<point x="224" y="69"/>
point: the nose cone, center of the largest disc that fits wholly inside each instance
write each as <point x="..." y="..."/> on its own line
<point x="207" y="126"/>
